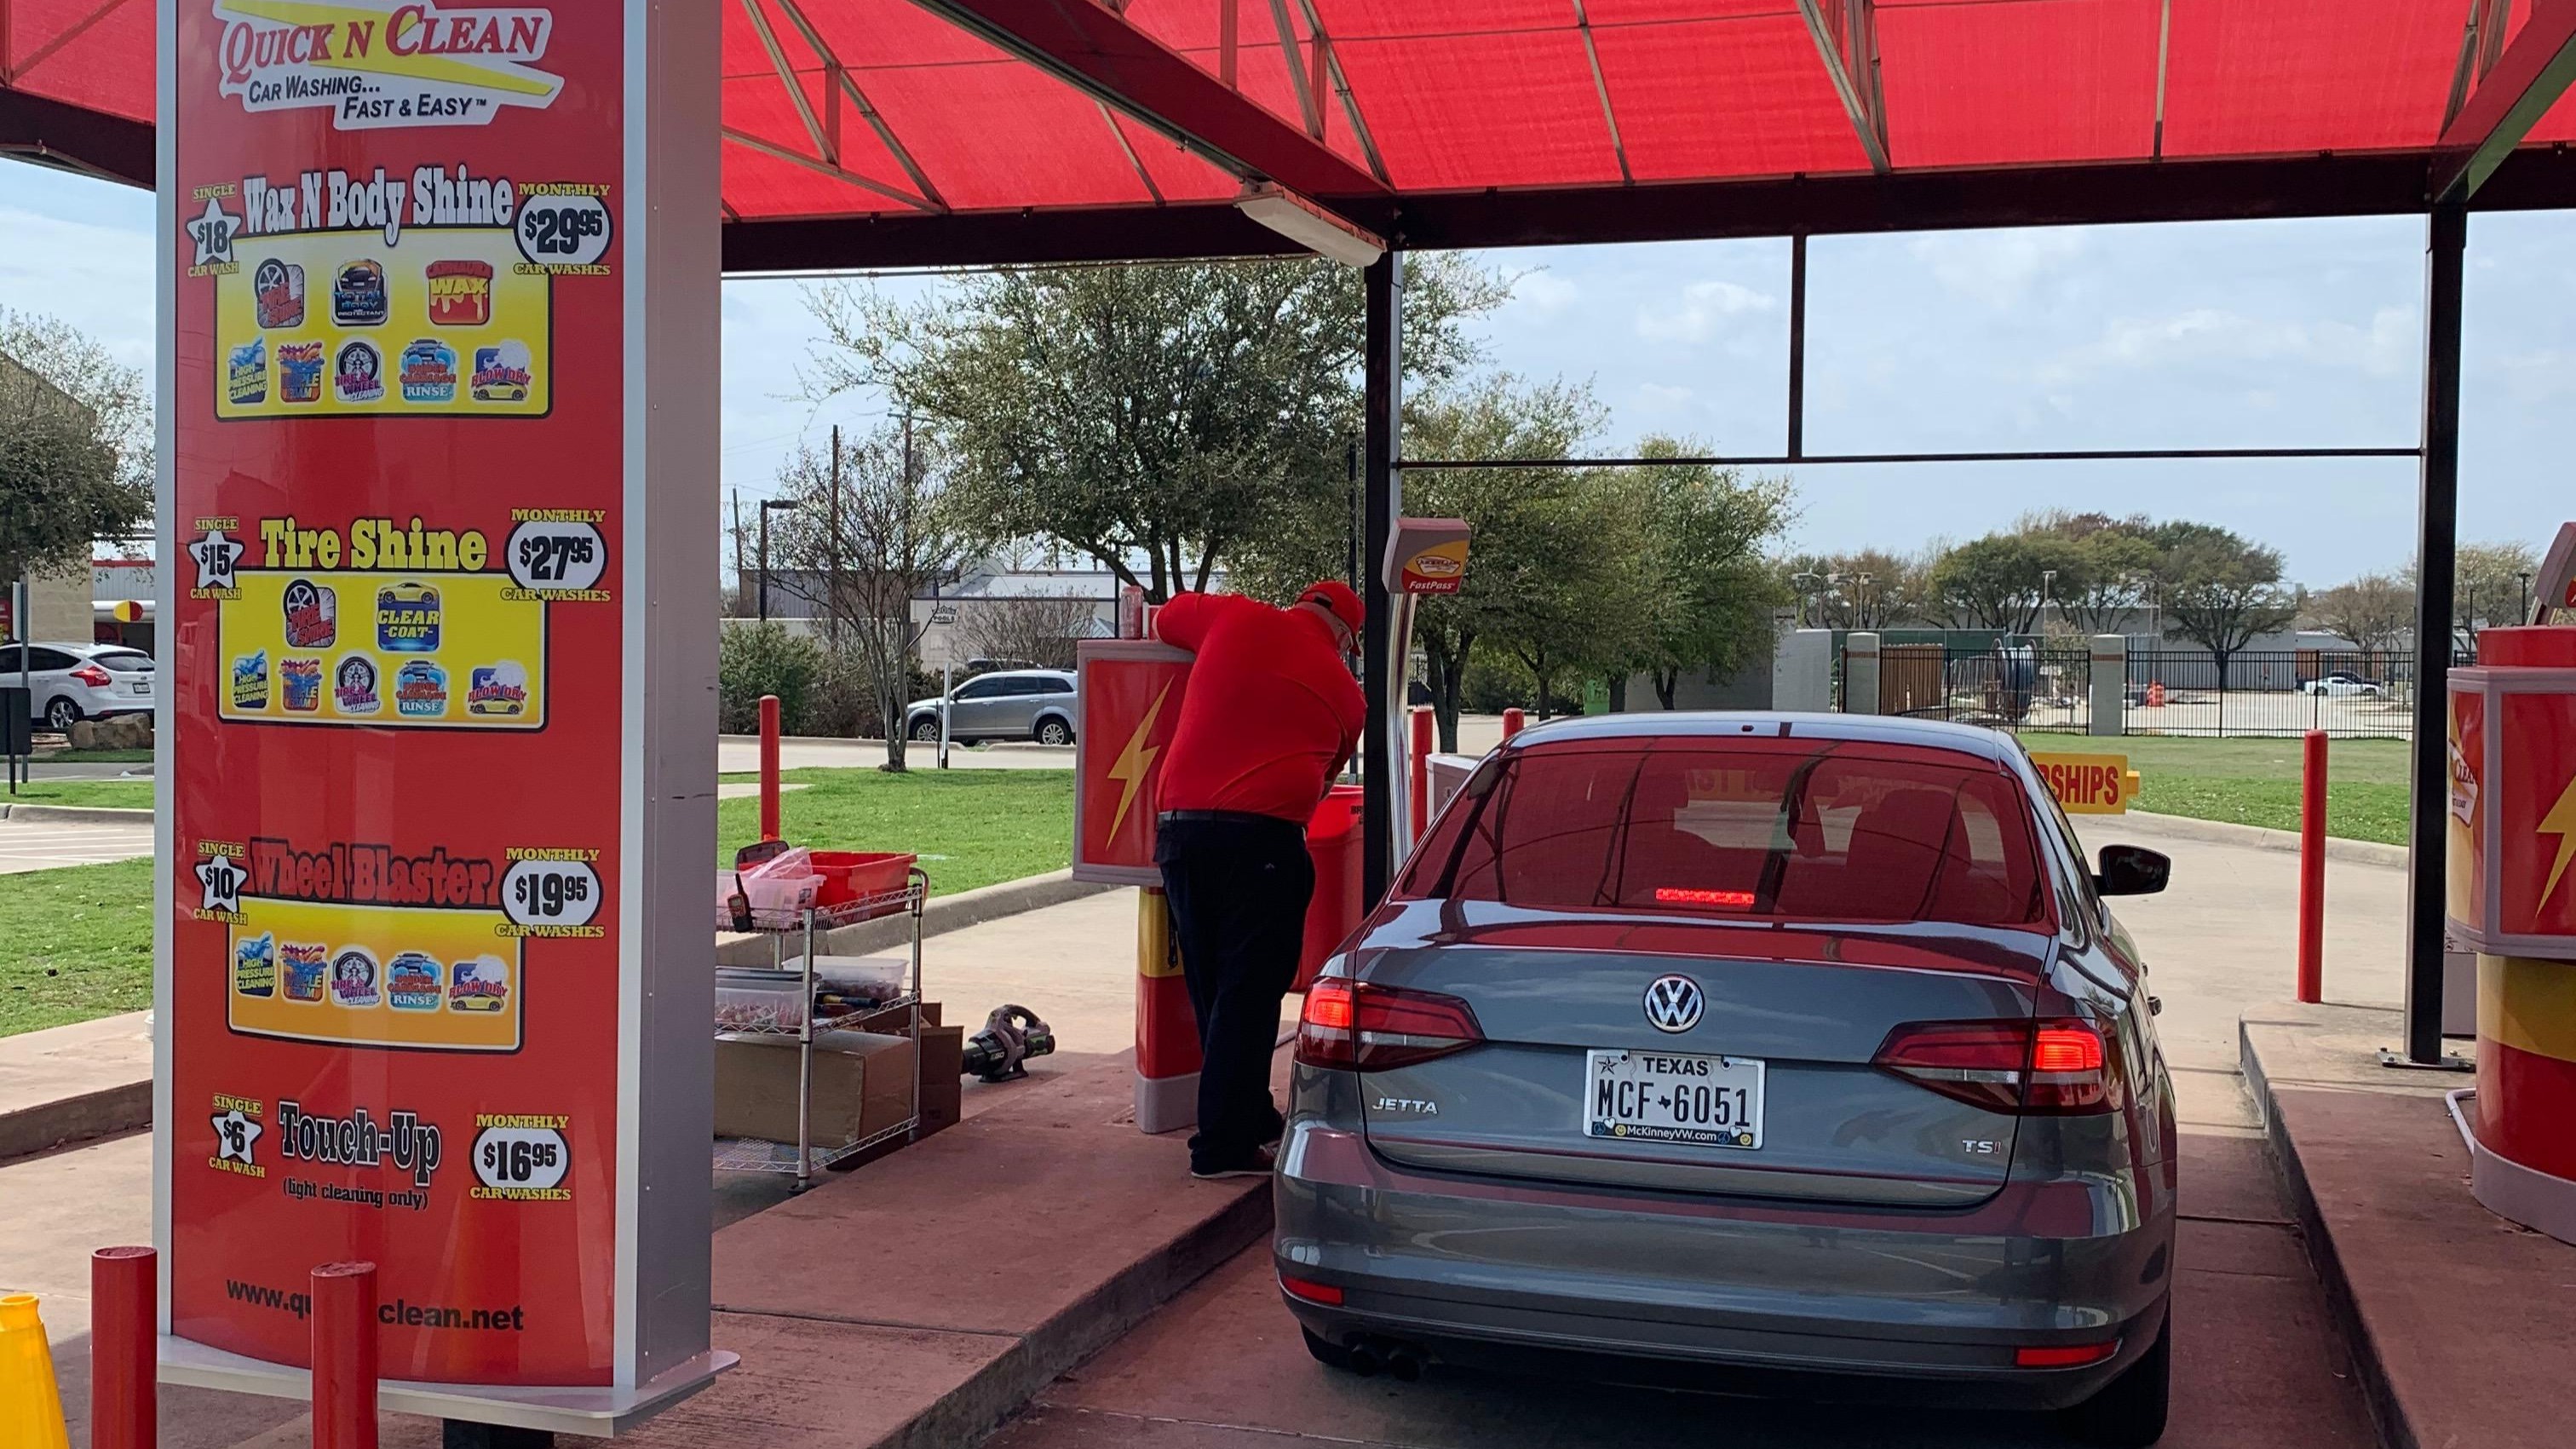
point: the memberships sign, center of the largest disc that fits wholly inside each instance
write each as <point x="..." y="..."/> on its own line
<point x="409" y="956"/>
<point x="2088" y="784"/>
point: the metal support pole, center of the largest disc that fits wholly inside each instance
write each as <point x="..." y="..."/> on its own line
<point x="1797" y="346"/>
<point x="2312" y="869"/>
<point x="2436" y="562"/>
<point x="1382" y="667"/>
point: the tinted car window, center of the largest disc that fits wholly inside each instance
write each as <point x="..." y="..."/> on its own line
<point x="981" y="688"/>
<point x="1024" y="685"/>
<point x="123" y="661"/>
<point x="1791" y="829"/>
<point x="40" y="657"/>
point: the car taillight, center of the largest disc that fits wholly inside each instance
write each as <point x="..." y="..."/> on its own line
<point x="1360" y="1026"/>
<point x="2051" y="1066"/>
<point x="2072" y="1355"/>
<point x="93" y="676"/>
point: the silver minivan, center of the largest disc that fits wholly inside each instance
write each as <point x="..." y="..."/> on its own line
<point x="1793" y="1050"/>
<point x="73" y="682"/>
<point x="1013" y="704"/>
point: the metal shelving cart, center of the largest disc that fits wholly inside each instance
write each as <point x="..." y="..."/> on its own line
<point x="803" y="1157"/>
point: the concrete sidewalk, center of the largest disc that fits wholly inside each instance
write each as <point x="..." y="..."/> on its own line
<point x="67" y="1083"/>
<point x="2463" y="1324"/>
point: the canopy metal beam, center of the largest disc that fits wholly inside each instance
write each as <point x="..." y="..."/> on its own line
<point x="1846" y="36"/>
<point x="75" y="138"/>
<point x="2383" y="184"/>
<point x="1100" y="53"/>
<point x="2511" y="97"/>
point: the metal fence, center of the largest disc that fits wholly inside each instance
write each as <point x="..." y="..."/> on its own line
<point x="2019" y="683"/>
<point x="2275" y="692"/>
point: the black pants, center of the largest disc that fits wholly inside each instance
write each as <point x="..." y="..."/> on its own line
<point x="1238" y="887"/>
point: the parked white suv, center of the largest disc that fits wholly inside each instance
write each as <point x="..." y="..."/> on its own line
<point x="73" y="682"/>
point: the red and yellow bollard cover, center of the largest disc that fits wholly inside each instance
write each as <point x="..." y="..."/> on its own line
<point x="2512" y="898"/>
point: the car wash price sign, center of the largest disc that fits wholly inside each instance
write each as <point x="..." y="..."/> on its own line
<point x="403" y="950"/>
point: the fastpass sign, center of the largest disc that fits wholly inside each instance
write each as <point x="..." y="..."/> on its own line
<point x="2089" y="784"/>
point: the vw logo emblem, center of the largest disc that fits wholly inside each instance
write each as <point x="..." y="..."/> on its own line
<point x="1673" y="1003"/>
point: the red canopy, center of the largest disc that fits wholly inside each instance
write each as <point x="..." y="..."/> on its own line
<point x="887" y="131"/>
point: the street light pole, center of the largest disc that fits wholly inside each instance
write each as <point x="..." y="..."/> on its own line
<point x="767" y="505"/>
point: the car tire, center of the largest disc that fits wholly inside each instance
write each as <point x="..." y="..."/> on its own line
<point x="924" y="730"/>
<point x="61" y="714"/>
<point x="1326" y="1352"/>
<point x="1054" y="732"/>
<point x="2129" y="1412"/>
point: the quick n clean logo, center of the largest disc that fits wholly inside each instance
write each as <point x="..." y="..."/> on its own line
<point x="379" y="64"/>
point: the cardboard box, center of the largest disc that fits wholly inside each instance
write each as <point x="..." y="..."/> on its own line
<point x="943" y="1062"/>
<point x="862" y="1086"/>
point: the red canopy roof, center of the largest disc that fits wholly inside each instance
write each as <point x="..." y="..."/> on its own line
<point x="888" y="131"/>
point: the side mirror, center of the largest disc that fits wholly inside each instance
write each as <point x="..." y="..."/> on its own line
<point x="2132" y="870"/>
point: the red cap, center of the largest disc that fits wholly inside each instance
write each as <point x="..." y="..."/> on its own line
<point x="1338" y="600"/>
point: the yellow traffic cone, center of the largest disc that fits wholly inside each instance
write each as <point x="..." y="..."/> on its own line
<point x="31" y="1405"/>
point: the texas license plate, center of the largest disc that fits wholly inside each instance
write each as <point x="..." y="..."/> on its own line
<point x="1665" y="1097"/>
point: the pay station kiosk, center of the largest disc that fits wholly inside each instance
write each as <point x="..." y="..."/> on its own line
<point x="2512" y="899"/>
<point x="1129" y="701"/>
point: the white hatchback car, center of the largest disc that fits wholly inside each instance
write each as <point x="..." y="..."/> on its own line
<point x="69" y="683"/>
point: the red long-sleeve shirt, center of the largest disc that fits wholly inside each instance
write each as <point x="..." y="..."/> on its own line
<point x="1271" y="713"/>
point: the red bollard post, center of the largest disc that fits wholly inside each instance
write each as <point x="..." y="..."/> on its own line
<point x="124" y="1321"/>
<point x="1512" y="721"/>
<point x="344" y="1356"/>
<point x="1422" y="724"/>
<point x="769" y="766"/>
<point x="2312" y="870"/>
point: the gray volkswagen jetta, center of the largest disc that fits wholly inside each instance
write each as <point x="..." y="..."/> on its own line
<point x="1774" y="1051"/>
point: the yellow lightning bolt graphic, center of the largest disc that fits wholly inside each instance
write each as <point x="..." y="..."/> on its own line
<point x="2561" y="822"/>
<point x="1135" y="760"/>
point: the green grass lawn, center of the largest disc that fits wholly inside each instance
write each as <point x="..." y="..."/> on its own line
<point x="2256" y="782"/>
<point x="970" y="827"/>
<point x="112" y="794"/>
<point x="74" y="944"/>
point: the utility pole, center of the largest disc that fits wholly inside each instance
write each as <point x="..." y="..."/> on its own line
<point x="737" y="548"/>
<point x="832" y="615"/>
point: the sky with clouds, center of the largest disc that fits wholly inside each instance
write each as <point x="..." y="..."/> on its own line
<point x="2236" y="334"/>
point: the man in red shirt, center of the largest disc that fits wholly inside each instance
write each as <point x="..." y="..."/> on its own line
<point x="1271" y="715"/>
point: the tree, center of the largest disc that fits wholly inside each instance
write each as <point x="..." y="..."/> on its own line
<point x="1708" y="591"/>
<point x="877" y="527"/>
<point x="2374" y="611"/>
<point x="1538" y="556"/>
<point x="2219" y="590"/>
<point x="2000" y="581"/>
<point x="1871" y="589"/>
<point x="2108" y="572"/>
<point x="1041" y="629"/>
<point x="2491" y="584"/>
<point x="75" y="446"/>
<point x="1156" y="419"/>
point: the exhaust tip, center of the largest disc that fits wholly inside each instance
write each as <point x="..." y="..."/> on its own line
<point x="1365" y="1360"/>
<point x="1404" y="1365"/>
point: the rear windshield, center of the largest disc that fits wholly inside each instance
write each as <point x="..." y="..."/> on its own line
<point x="123" y="661"/>
<point x="1781" y="828"/>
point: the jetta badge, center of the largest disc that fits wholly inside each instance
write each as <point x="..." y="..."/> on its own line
<point x="1673" y="1003"/>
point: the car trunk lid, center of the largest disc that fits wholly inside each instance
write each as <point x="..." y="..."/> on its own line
<point x="1813" y="1008"/>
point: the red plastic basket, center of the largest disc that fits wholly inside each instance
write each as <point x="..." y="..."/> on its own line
<point x="853" y="875"/>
